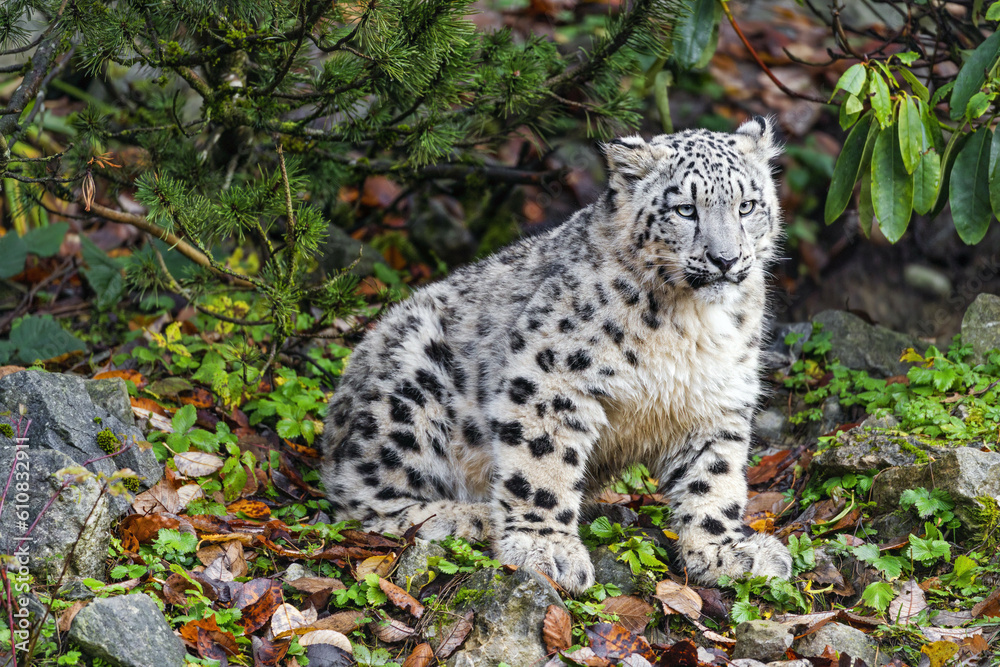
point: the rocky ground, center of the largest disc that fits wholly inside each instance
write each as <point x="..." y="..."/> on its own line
<point x="882" y="475"/>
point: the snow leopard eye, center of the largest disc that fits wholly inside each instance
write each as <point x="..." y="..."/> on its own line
<point x="747" y="207"/>
<point x="685" y="210"/>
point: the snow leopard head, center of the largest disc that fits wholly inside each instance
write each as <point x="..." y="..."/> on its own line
<point x="697" y="209"/>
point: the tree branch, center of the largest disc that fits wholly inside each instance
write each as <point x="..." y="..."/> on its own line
<point x="179" y="244"/>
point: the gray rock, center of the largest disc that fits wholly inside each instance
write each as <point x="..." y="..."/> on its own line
<point x="842" y="638"/>
<point x="609" y="570"/>
<point x="59" y="540"/>
<point x="770" y="425"/>
<point x="63" y="434"/>
<point x="412" y="569"/>
<point x="862" y="346"/>
<point x="127" y="631"/>
<point x="874" y="445"/>
<point x="63" y="408"/>
<point x="747" y="662"/>
<point x="509" y="616"/>
<point x="981" y="325"/>
<point x="964" y="472"/>
<point x="341" y="251"/>
<point x="790" y="663"/>
<point x="762" y="640"/>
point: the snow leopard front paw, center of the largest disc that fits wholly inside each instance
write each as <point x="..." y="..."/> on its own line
<point x="757" y="554"/>
<point x="561" y="557"/>
<point x="764" y="555"/>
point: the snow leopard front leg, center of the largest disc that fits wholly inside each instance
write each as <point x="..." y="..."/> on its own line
<point x="707" y="488"/>
<point x="542" y="438"/>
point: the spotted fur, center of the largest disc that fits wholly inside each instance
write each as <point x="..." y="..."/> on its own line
<point x="491" y="403"/>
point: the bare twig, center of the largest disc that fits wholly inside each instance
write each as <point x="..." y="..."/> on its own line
<point x="760" y="63"/>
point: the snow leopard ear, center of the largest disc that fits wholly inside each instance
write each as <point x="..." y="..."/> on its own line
<point x="629" y="159"/>
<point x="763" y="143"/>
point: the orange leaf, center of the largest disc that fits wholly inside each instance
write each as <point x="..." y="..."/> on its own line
<point x="401" y="598"/>
<point x="421" y="657"/>
<point x="199" y="398"/>
<point x="147" y="404"/>
<point x="556" y="629"/>
<point x="254" y="509"/>
<point x="614" y="642"/>
<point x="133" y="375"/>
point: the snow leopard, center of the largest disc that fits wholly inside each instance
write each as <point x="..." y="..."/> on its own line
<point x="491" y="404"/>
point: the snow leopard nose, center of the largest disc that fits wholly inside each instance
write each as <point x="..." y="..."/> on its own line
<point x="724" y="263"/>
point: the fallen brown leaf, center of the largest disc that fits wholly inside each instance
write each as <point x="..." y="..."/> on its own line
<point x="678" y="599"/>
<point x="456" y="634"/>
<point x="317" y="584"/>
<point x="390" y="630"/>
<point x="612" y="641"/>
<point x="557" y="629"/>
<point x="197" y="464"/>
<point x="258" y="599"/>
<point x="401" y="598"/>
<point x="66" y="619"/>
<point x="342" y="621"/>
<point x="989" y="606"/>
<point x="633" y="613"/>
<point x="422" y="656"/>
<point x="331" y="637"/>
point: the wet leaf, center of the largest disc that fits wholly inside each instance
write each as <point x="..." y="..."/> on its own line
<point x="633" y="613"/>
<point x="908" y="603"/>
<point x="401" y="598"/>
<point x="389" y="629"/>
<point x="939" y="652"/>
<point x="455" y="635"/>
<point x="286" y="619"/>
<point x="254" y="509"/>
<point x="317" y="584"/>
<point x="342" y="621"/>
<point x="912" y="142"/>
<point x="146" y="528"/>
<point x="767" y="468"/>
<point x="678" y="599"/>
<point x="197" y="464"/>
<point x="380" y="565"/>
<point x="132" y="375"/>
<point x="989" y="606"/>
<point x="926" y="182"/>
<point x="258" y="599"/>
<point x="557" y="629"/>
<point x="422" y="656"/>
<point x="331" y="637"/>
<point x="612" y="641"/>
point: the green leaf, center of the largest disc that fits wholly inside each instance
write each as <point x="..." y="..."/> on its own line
<point x="928" y="551"/>
<point x="881" y="101"/>
<point x="45" y="241"/>
<point x="184" y="419"/>
<point x="951" y="151"/>
<point x="970" y="187"/>
<point x="743" y="611"/>
<point x="866" y="552"/>
<point x="853" y="105"/>
<point x="845" y="172"/>
<point x="104" y="274"/>
<point x="912" y="142"/>
<point x="13" y="253"/>
<point x="892" y="187"/>
<point x="40" y="338"/>
<point x="993" y="13"/>
<point x="601" y="527"/>
<point x="866" y="210"/>
<point x="979" y="104"/>
<point x="847" y="119"/>
<point x="890" y="566"/>
<point x="878" y="595"/>
<point x="995" y="174"/>
<point x="234" y="482"/>
<point x="919" y="89"/>
<point x="972" y="76"/>
<point x="907" y="58"/>
<point x="696" y="35"/>
<point x="853" y="80"/>
<point x="926" y="181"/>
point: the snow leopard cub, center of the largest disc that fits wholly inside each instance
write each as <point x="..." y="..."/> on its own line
<point x="491" y="403"/>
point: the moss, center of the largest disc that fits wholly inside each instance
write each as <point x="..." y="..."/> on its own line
<point x="7" y="430"/>
<point x="920" y="456"/>
<point x="108" y="441"/>
<point x="98" y="421"/>
<point x="468" y="595"/>
<point x="131" y="483"/>
<point x="986" y="515"/>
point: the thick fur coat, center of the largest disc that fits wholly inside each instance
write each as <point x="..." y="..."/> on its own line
<point x="492" y="403"/>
